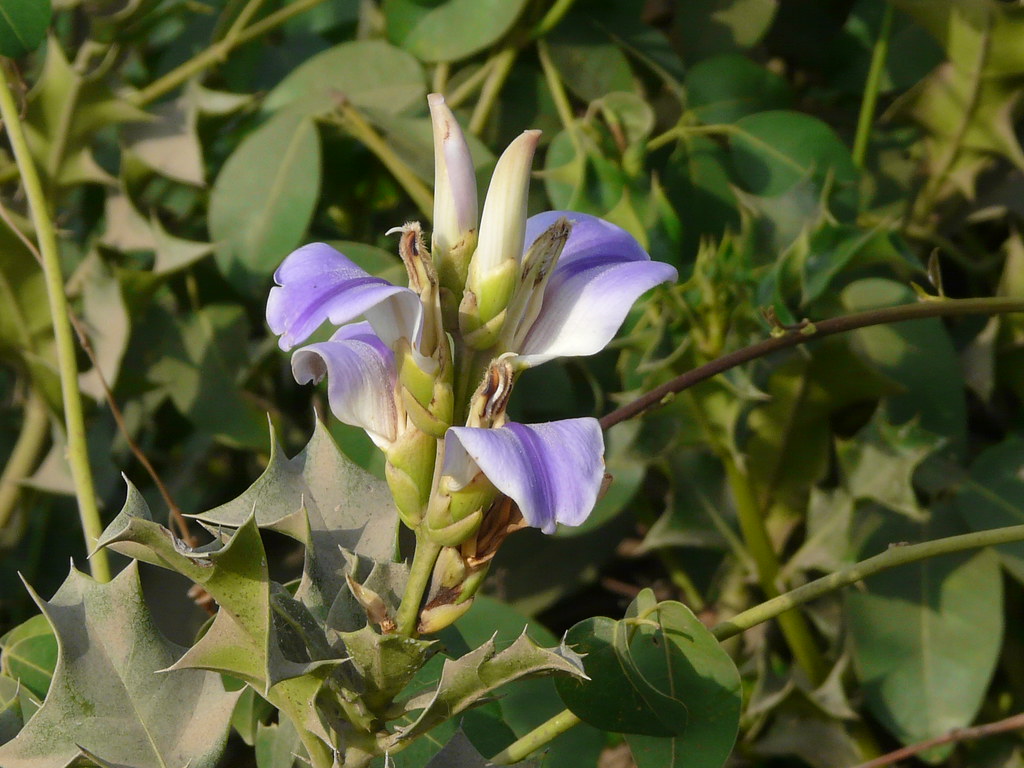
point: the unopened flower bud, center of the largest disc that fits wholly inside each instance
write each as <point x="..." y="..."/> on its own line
<point x="455" y="201"/>
<point x="495" y="264"/>
<point x="409" y="472"/>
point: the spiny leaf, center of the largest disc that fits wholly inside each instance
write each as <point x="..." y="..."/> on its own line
<point x="108" y="696"/>
<point x="466" y="682"/>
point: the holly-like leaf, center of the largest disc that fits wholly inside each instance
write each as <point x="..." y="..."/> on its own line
<point x="345" y="506"/>
<point x="169" y="143"/>
<point x="109" y="697"/>
<point x="467" y="681"/>
<point x="17" y="705"/>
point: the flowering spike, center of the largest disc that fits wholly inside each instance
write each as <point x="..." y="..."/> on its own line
<point x="455" y="201"/>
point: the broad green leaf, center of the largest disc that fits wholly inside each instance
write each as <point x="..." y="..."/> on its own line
<point x="725" y="88"/>
<point x="589" y="63"/>
<point x="23" y="26"/>
<point x="992" y="496"/>
<point x="919" y="355"/>
<point x="251" y="710"/>
<point x="926" y="636"/>
<point x="468" y="680"/>
<point x="109" y="697"/>
<point x="833" y="249"/>
<point x="772" y="151"/>
<point x="264" y="196"/>
<point x="662" y="649"/>
<point x="698" y="184"/>
<point x="28" y="653"/>
<point x="370" y="74"/>
<point x="449" y="30"/>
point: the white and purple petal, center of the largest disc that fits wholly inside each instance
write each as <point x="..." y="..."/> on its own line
<point x="360" y="371"/>
<point x="602" y="271"/>
<point x="316" y="283"/>
<point x="552" y="471"/>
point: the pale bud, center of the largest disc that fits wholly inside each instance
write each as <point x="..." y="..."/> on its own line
<point x="455" y="200"/>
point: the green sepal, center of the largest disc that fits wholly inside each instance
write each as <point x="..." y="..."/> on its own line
<point x="410" y="473"/>
<point x="494" y="291"/>
<point x="455" y="533"/>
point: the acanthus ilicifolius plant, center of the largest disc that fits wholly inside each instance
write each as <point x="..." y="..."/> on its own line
<point x="429" y="371"/>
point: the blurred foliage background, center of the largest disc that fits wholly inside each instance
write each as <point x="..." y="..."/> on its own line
<point x="189" y="145"/>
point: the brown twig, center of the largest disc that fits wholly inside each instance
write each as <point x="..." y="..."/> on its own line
<point x="805" y="332"/>
<point x="1012" y="723"/>
<point x="176" y="514"/>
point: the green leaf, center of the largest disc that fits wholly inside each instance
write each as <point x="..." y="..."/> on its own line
<point x="28" y="653"/>
<point x="264" y="197"/>
<point x="725" y="88"/>
<point x="449" y="30"/>
<point x="23" y="26"/>
<point x="206" y="357"/>
<point x="707" y="27"/>
<point x="589" y="63"/>
<point x="669" y="670"/>
<point x="370" y="74"/>
<point x="106" y="322"/>
<point x="918" y="355"/>
<point x="109" y="697"/>
<point x="17" y="705"/>
<point x="772" y="151"/>
<point x="466" y="681"/>
<point x="926" y="636"/>
<point x="277" y="745"/>
<point x="323" y="499"/>
<point x="169" y="143"/>
<point x="459" y="752"/>
<point x="993" y="496"/>
<point x="879" y="463"/>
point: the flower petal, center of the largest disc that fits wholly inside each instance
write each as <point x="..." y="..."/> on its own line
<point x="552" y="471"/>
<point x="360" y="372"/>
<point x="603" y="270"/>
<point x="316" y="283"/>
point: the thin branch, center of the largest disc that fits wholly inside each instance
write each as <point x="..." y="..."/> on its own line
<point x="1012" y="723"/>
<point x="809" y="332"/>
<point x="175" y="510"/>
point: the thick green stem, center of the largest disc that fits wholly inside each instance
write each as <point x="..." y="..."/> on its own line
<point x="522" y="748"/>
<point x="553" y="16"/>
<point x="217" y="52"/>
<point x="35" y="427"/>
<point x="419" y="579"/>
<point x="356" y="124"/>
<point x="870" y="99"/>
<point x="74" y="418"/>
<point x="891" y="558"/>
<point x="794" y="627"/>
<point x="809" y="332"/>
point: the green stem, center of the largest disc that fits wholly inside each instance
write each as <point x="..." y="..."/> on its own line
<point x="496" y="78"/>
<point x="551" y="19"/>
<point x="809" y="332"/>
<point x="74" y="419"/>
<point x="468" y="86"/>
<point x="793" y="625"/>
<point x="559" y="96"/>
<point x="242" y="20"/>
<point x="34" y="429"/>
<point x="217" y="52"/>
<point x="361" y="130"/>
<point x="523" y="747"/>
<point x="891" y="558"/>
<point x="874" y="81"/>
<point x="419" y="579"/>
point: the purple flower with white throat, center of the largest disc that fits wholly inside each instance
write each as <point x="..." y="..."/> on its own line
<point x="557" y="284"/>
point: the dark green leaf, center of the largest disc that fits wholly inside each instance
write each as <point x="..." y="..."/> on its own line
<point x="449" y="30"/>
<point x="23" y="26"/>
<point x="589" y="63"/>
<point x="725" y="88"/>
<point x="28" y="653"/>
<point x="772" y="151"/>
